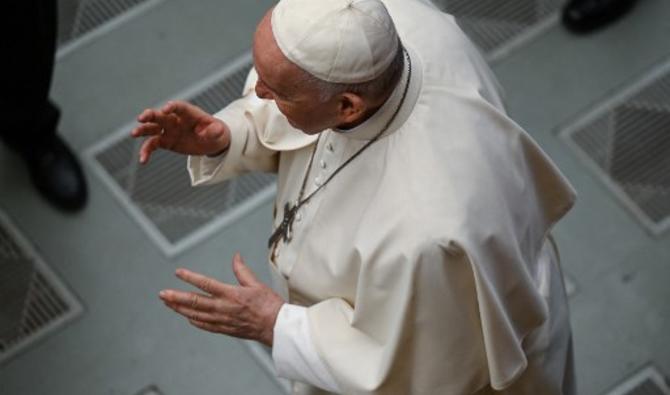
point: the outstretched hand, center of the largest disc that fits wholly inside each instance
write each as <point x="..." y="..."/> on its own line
<point x="247" y="311"/>
<point x="183" y="128"/>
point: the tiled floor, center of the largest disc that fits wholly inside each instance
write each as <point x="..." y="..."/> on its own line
<point x="126" y="342"/>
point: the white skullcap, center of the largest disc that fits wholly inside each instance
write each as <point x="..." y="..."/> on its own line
<point x="342" y="41"/>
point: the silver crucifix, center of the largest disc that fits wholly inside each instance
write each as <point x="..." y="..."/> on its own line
<point x="285" y="228"/>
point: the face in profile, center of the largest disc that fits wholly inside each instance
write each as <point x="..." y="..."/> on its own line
<point x="280" y="80"/>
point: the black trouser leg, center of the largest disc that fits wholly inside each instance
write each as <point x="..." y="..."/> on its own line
<point x="29" y="118"/>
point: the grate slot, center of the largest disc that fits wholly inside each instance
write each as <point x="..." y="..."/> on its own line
<point x="626" y="141"/>
<point x="648" y="381"/>
<point x="159" y="196"/>
<point x="35" y="302"/>
<point x="498" y="27"/>
<point x="92" y="14"/>
<point x="83" y="20"/>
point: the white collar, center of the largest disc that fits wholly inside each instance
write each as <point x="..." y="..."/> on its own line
<point x="373" y="125"/>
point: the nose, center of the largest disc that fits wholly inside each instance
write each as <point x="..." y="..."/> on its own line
<point x="262" y="91"/>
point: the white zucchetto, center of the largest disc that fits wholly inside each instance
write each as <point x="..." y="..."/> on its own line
<point x="341" y="41"/>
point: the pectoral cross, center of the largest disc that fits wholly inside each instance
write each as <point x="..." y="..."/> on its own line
<point x="285" y="228"/>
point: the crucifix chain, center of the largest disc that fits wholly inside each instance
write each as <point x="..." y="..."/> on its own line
<point x="285" y="229"/>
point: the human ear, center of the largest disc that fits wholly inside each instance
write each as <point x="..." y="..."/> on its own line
<point x="351" y="108"/>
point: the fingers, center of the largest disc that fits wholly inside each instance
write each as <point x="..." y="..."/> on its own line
<point x="148" y="147"/>
<point x="193" y="314"/>
<point x="207" y="284"/>
<point x="151" y="126"/>
<point x="167" y="121"/>
<point x="211" y="322"/>
<point x="164" y="120"/>
<point x="147" y="129"/>
<point x="191" y="300"/>
<point x="182" y="109"/>
<point x="244" y="275"/>
<point x="146" y="116"/>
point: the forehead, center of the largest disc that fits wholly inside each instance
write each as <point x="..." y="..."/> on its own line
<point x="272" y="66"/>
<point x="268" y="58"/>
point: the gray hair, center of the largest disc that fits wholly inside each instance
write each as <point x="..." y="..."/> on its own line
<point x="373" y="89"/>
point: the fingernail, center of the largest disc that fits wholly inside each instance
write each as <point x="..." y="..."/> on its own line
<point x="162" y="293"/>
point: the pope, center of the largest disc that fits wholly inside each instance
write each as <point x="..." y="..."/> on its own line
<point x="411" y="251"/>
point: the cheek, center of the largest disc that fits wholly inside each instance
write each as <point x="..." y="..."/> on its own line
<point x="293" y="117"/>
<point x="306" y="116"/>
<point x="286" y="109"/>
<point x="298" y="111"/>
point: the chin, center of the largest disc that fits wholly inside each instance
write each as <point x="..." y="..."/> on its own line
<point x="309" y="131"/>
<point x="296" y="126"/>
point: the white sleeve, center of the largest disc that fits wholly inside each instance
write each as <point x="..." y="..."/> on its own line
<point x="293" y="351"/>
<point x="258" y="132"/>
<point x="245" y="118"/>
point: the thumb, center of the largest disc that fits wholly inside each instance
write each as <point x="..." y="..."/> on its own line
<point x="212" y="131"/>
<point x="244" y="275"/>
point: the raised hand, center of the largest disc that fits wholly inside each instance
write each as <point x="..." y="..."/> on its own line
<point x="247" y="311"/>
<point x="183" y="128"/>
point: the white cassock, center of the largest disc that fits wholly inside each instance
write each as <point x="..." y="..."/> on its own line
<point x="426" y="265"/>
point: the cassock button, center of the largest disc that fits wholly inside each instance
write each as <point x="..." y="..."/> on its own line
<point x="298" y="217"/>
<point x="330" y="147"/>
<point x="317" y="181"/>
<point x="322" y="163"/>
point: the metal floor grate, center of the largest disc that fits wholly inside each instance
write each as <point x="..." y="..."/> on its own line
<point x="498" y="27"/>
<point x="626" y="141"/>
<point x="34" y="301"/>
<point x="646" y="382"/>
<point x="83" y="19"/>
<point x="159" y="195"/>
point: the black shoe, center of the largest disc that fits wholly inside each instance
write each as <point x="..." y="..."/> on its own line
<point x="57" y="175"/>
<point x="582" y="16"/>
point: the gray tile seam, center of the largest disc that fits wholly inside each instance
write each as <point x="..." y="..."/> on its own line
<point x="648" y="372"/>
<point x="55" y="280"/>
<point x="602" y="107"/>
<point x="168" y="248"/>
<point x="614" y="94"/>
<point x="70" y="46"/>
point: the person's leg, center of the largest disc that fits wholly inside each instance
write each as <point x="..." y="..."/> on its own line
<point x="29" y="117"/>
